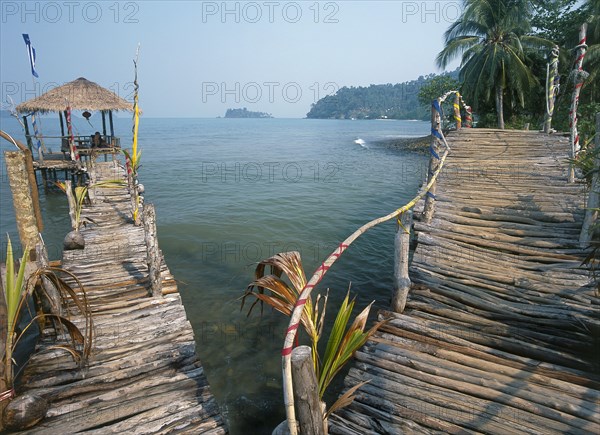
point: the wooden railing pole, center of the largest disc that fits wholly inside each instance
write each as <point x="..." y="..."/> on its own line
<point x="591" y="212"/>
<point x="580" y="77"/>
<point x="72" y="204"/>
<point x="19" y="182"/>
<point x="152" y="251"/>
<point x="401" y="279"/>
<point x="306" y="393"/>
<point x="456" y="106"/>
<point x="552" y="83"/>
<point x="434" y="161"/>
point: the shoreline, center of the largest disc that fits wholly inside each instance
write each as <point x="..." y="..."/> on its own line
<point x="412" y="144"/>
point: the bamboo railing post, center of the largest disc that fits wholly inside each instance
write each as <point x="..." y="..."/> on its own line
<point x="456" y="107"/>
<point x="552" y="85"/>
<point x="152" y="251"/>
<point x="72" y="203"/>
<point x="401" y="279"/>
<point x="306" y="392"/>
<point x="579" y="78"/>
<point x="591" y="212"/>
<point x="19" y="182"/>
<point x="434" y="161"/>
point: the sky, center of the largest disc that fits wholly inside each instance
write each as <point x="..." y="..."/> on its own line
<point x="199" y="58"/>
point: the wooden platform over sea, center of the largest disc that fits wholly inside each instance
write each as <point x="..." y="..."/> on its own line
<point x="501" y="331"/>
<point x="143" y="375"/>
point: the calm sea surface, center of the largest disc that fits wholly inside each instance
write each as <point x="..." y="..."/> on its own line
<point x="231" y="192"/>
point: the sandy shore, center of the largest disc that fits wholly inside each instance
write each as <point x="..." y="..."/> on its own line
<point x="415" y="144"/>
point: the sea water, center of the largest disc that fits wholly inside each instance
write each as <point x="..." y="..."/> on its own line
<point x="231" y="192"/>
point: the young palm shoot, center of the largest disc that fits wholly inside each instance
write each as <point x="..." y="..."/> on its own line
<point x="343" y="341"/>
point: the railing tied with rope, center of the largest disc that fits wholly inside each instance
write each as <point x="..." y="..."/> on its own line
<point x="438" y="142"/>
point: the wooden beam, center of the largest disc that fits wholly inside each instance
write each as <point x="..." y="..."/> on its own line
<point x="306" y="392"/>
<point x="18" y="180"/>
<point x="434" y="162"/>
<point x="401" y="279"/>
<point x="153" y="253"/>
<point x="103" y="124"/>
<point x="110" y="120"/>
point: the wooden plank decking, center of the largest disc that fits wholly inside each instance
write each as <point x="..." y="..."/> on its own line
<point x="501" y="330"/>
<point x="143" y="375"/>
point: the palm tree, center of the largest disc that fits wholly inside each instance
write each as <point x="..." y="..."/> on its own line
<point x="592" y="59"/>
<point x="491" y="36"/>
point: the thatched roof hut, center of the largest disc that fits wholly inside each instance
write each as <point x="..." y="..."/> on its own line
<point x="80" y="94"/>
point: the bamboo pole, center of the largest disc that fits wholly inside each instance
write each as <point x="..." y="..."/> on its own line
<point x="72" y="204"/>
<point x="306" y="392"/>
<point x="434" y="160"/>
<point x="456" y="107"/>
<point x="579" y="78"/>
<point x="402" y="281"/>
<point x="591" y="212"/>
<point x="552" y="85"/>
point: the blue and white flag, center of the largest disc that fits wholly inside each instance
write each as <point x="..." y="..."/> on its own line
<point x="31" y="53"/>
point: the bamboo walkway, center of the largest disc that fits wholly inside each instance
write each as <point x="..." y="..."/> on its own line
<point x="501" y="330"/>
<point x="143" y="375"/>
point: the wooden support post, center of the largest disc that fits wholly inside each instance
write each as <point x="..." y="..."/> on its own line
<point x="72" y="204"/>
<point x="401" y="279"/>
<point x="45" y="179"/>
<point x="103" y="124"/>
<point x="552" y="83"/>
<point x="434" y="161"/>
<point x="93" y="179"/>
<point x="19" y="182"/>
<point x="27" y="135"/>
<point x="579" y="78"/>
<point x="306" y="393"/>
<point x="456" y="107"/>
<point x="110" y="122"/>
<point x="591" y="212"/>
<point x="62" y="124"/>
<point x="35" y="195"/>
<point x="152" y="251"/>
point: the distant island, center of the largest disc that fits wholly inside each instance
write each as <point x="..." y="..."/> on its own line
<point x="399" y="101"/>
<point x="245" y="113"/>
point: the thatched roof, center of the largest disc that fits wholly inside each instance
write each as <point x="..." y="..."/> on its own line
<point x="80" y="94"/>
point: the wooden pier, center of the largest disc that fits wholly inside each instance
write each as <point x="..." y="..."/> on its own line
<point x="144" y="375"/>
<point x="501" y="332"/>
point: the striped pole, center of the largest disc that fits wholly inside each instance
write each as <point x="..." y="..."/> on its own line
<point x="580" y="77"/>
<point x="552" y="86"/>
<point x="456" y="106"/>
<point x="72" y="147"/>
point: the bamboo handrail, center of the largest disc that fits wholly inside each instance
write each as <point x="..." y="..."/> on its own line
<point x="437" y="136"/>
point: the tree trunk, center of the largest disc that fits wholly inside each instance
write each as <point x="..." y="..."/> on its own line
<point x="499" y="106"/>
